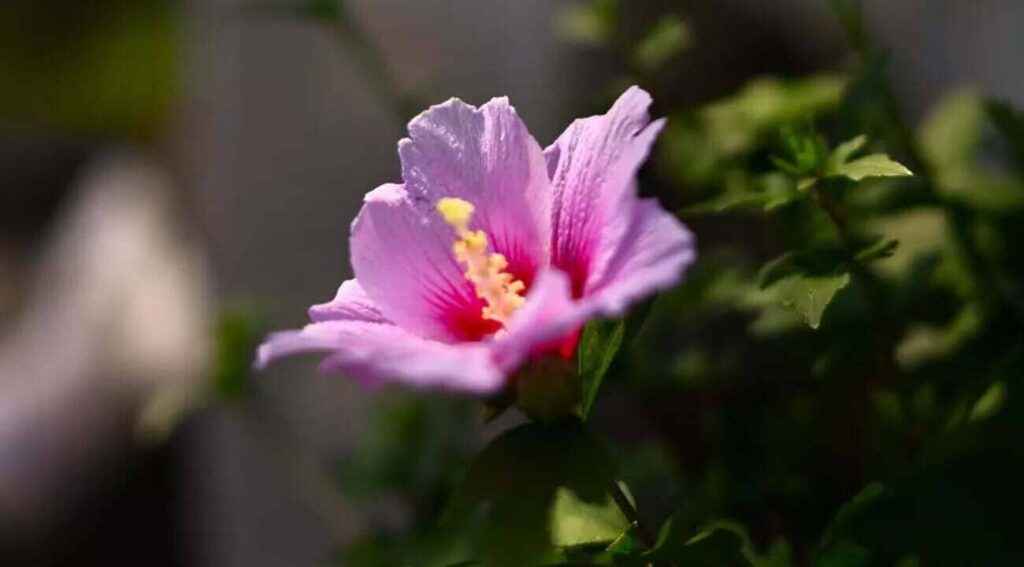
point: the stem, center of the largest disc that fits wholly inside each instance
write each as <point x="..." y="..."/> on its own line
<point x="622" y="501"/>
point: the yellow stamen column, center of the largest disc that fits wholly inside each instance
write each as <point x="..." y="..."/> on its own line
<point x="499" y="289"/>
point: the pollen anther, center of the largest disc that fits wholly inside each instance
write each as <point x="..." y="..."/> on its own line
<point x="500" y="290"/>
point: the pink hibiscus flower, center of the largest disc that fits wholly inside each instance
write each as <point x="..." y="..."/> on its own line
<point x="494" y="252"/>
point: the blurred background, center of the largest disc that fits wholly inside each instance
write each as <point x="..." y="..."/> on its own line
<point x="176" y="178"/>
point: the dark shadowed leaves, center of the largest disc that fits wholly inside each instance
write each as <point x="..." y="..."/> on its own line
<point x="537" y="490"/>
<point x="717" y="547"/>
<point x="1010" y="124"/>
<point x="809" y="295"/>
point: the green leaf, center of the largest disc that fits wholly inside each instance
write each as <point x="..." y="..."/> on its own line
<point x="950" y="140"/>
<point x="237" y="334"/>
<point x="742" y="192"/>
<point x="667" y="39"/>
<point x="717" y="547"/>
<point x="588" y="23"/>
<point x="818" y="261"/>
<point x="105" y="70"/>
<point x="1010" y="124"/>
<point x="881" y="248"/>
<point x="323" y="11"/>
<point x="599" y="344"/>
<point x="809" y="295"/>
<point x="844" y="152"/>
<point x="961" y="512"/>
<point x="989" y="403"/>
<point x="539" y="488"/>
<point x="805" y="151"/>
<point x="951" y="133"/>
<point x="874" y="165"/>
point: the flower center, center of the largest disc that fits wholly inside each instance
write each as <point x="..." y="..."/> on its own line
<point x="499" y="289"/>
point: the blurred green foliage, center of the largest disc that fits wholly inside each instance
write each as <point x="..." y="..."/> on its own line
<point x="838" y="381"/>
<point x="104" y="67"/>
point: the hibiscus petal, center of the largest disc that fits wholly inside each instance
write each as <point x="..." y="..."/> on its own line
<point x="652" y="252"/>
<point x="376" y="353"/>
<point x="402" y="257"/>
<point x="487" y="157"/>
<point x="350" y="303"/>
<point x="592" y="167"/>
<point x="547" y="319"/>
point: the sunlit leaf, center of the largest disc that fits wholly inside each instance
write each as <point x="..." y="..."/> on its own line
<point x="698" y="145"/>
<point x="844" y="152"/>
<point x="874" y="165"/>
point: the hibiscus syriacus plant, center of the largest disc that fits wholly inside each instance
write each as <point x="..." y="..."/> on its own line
<point x="494" y="252"/>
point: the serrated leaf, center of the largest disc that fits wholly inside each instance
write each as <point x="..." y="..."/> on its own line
<point x="843" y="153"/>
<point x="874" y="165"/>
<point x="538" y="488"/>
<point x="809" y="295"/>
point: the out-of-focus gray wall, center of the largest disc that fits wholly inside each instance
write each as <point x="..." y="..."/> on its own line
<point x="281" y="139"/>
